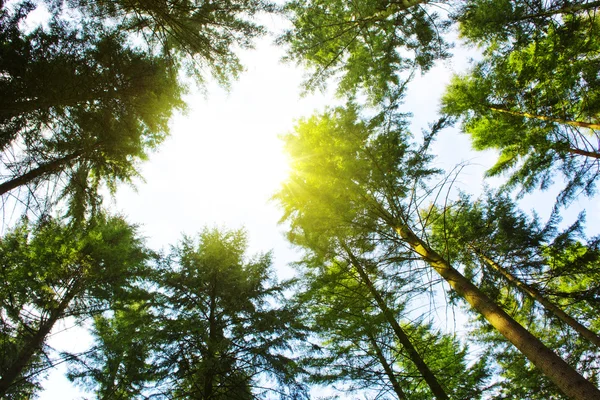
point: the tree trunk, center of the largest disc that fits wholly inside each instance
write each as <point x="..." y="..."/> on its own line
<point x="387" y="368"/>
<point x="579" y="124"/>
<point x="37" y="173"/>
<point x="536" y="295"/>
<point x="585" y="153"/>
<point x="567" y="379"/>
<point x="33" y="345"/>
<point x="403" y="338"/>
<point x="212" y="338"/>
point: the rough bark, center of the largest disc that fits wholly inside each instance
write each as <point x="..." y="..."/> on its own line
<point x="567" y="379"/>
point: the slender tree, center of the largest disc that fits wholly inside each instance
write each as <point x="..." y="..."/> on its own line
<point x="503" y="241"/>
<point x="364" y="344"/>
<point x="51" y="272"/>
<point x="361" y="180"/>
<point x="214" y="327"/>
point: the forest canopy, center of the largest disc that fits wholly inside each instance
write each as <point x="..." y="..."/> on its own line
<point x="403" y="285"/>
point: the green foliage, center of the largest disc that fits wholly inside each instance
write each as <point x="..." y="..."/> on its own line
<point x="222" y="332"/>
<point x="352" y="180"/>
<point x="347" y="175"/>
<point x="86" y="97"/>
<point x="345" y="321"/>
<point x="471" y="233"/>
<point x="535" y="98"/>
<point x="202" y="35"/>
<point x="213" y="325"/>
<point x="118" y="366"/>
<point x="51" y="271"/>
<point x="350" y="330"/>
<point x="79" y="110"/>
<point x="367" y="44"/>
<point x="514" y="23"/>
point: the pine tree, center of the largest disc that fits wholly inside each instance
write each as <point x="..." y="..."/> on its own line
<point x="52" y="271"/>
<point x="361" y="181"/>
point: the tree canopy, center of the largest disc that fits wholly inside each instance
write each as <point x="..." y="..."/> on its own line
<point x="403" y="286"/>
<point x="373" y="46"/>
<point x="215" y="327"/>
<point x="360" y="181"/>
<point x="51" y="272"/>
<point x="85" y="100"/>
<point x="534" y="95"/>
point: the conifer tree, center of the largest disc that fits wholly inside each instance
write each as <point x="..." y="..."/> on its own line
<point x="51" y="271"/>
<point x="361" y="180"/>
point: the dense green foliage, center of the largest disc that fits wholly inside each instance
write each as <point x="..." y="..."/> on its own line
<point x="371" y="45"/>
<point x="108" y="108"/>
<point x="516" y="262"/>
<point x="356" y="345"/>
<point x="84" y="101"/>
<point x="358" y="183"/>
<point x="89" y="92"/>
<point x="534" y="97"/>
<point x="51" y="272"/>
<point x="207" y="329"/>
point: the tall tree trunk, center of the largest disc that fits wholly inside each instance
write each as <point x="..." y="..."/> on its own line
<point x="36" y="173"/>
<point x="567" y="379"/>
<point x="579" y="124"/>
<point x="387" y="368"/>
<point x="403" y="338"/>
<point x="537" y="296"/>
<point x="33" y="344"/>
<point x="212" y="338"/>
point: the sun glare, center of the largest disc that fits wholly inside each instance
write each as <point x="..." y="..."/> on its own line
<point x="232" y="158"/>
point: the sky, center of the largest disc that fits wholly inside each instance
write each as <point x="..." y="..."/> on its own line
<point x="224" y="161"/>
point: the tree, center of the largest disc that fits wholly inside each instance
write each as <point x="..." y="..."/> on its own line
<point x="51" y="271"/>
<point x="362" y="341"/>
<point x="222" y="333"/>
<point x="85" y="99"/>
<point x="79" y="109"/>
<point x="507" y="254"/>
<point x="118" y="365"/>
<point x="513" y="23"/>
<point x="199" y="34"/>
<point x="365" y="43"/>
<point x="360" y="181"/>
<point x="535" y="99"/>
<point x="214" y="327"/>
<point x="492" y="235"/>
